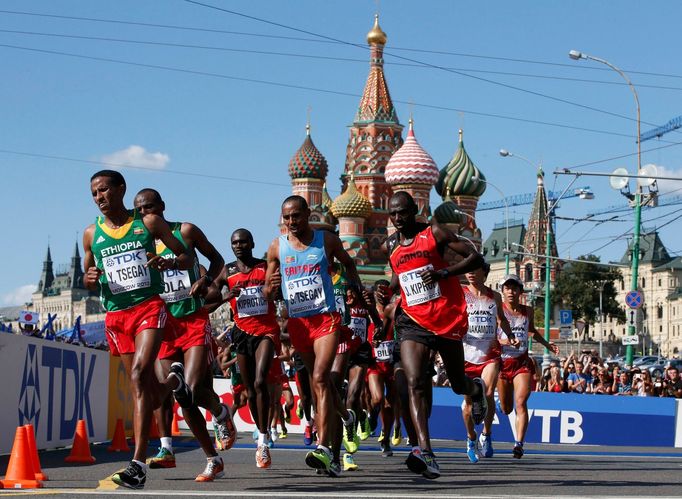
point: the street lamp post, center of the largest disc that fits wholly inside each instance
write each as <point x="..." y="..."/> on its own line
<point x="506" y="220"/>
<point x="601" y="283"/>
<point x="576" y="55"/>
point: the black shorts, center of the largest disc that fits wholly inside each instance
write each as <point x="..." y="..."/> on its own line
<point x="408" y="329"/>
<point x="362" y="356"/>
<point x="245" y="343"/>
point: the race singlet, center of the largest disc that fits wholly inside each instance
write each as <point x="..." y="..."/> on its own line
<point x="253" y="314"/>
<point x="480" y="342"/>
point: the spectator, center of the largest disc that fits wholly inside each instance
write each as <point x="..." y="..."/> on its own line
<point x="642" y="384"/>
<point x="578" y="381"/>
<point x="556" y="383"/>
<point x="622" y="384"/>
<point x="672" y="384"/>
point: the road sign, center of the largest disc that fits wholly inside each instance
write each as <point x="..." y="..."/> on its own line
<point x="566" y="317"/>
<point x="634" y="299"/>
<point x="631" y="318"/>
<point x="630" y="340"/>
<point x="565" y="332"/>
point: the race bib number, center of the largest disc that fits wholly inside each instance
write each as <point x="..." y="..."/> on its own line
<point x="251" y="302"/>
<point x="305" y="294"/>
<point x="415" y="290"/>
<point x="359" y="327"/>
<point x="126" y="271"/>
<point x="384" y="352"/>
<point x="340" y="304"/>
<point x="176" y="285"/>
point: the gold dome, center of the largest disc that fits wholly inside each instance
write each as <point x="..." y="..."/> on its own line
<point x="351" y="203"/>
<point x="376" y="36"/>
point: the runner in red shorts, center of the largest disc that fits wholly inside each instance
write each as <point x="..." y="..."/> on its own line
<point x="482" y="354"/>
<point x="513" y="386"/>
<point x="121" y="262"/>
<point x="190" y="342"/>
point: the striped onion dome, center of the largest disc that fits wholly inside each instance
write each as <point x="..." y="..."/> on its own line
<point x="308" y="162"/>
<point x="351" y="203"/>
<point x="448" y="213"/>
<point x="460" y="177"/>
<point x="411" y="164"/>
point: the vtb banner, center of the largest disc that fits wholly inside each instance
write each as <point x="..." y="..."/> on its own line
<point x="51" y="385"/>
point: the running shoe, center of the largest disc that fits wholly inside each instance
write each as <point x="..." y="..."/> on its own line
<point x="485" y="443"/>
<point x="517" y="452"/>
<point x="224" y="431"/>
<point x="349" y="462"/>
<point x="319" y="459"/>
<point x="396" y="438"/>
<point x="363" y="428"/>
<point x="381" y="436"/>
<point x="283" y="434"/>
<point x="299" y="410"/>
<point x="183" y="394"/>
<point x="386" y="449"/>
<point x="479" y="404"/>
<point x="263" y="459"/>
<point x="472" y="451"/>
<point x="214" y="469"/>
<point x="308" y="435"/>
<point x="351" y="441"/>
<point x="432" y="469"/>
<point x="334" y="470"/>
<point x="164" y="459"/>
<point x="415" y="462"/>
<point x="133" y="477"/>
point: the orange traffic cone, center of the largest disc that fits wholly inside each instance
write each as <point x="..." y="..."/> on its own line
<point x="119" y="443"/>
<point x="20" y="474"/>
<point x="80" y="452"/>
<point x="175" y="428"/>
<point x="30" y="434"/>
<point x="154" y="429"/>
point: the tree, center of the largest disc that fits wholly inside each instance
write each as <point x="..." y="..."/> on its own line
<point x="576" y="288"/>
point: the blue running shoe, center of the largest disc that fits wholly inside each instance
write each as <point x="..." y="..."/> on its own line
<point x="472" y="451"/>
<point x="485" y="442"/>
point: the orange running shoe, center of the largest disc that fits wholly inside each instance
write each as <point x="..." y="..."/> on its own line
<point x="225" y="431"/>
<point x="263" y="459"/>
<point x="214" y="469"/>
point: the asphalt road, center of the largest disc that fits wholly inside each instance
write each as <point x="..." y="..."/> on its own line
<point x="545" y="471"/>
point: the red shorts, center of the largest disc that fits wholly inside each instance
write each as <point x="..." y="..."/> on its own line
<point x="476" y="370"/>
<point x="515" y="366"/>
<point x="345" y="336"/>
<point x="303" y="331"/>
<point x="122" y="326"/>
<point x="275" y="373"/>
<point x="193" y="330"/>
<point x="384" y="369"/>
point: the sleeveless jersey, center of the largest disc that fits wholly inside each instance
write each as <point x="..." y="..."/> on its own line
<point x="253" y="314"/>
<point x="122" y="255"/>
<point x="480" y="342"/>
<point x="306" y="283"/>
<point x="359" y="322"/>
<point x="439" y="307"/>
<point x="340" y="284"/>
<point x="519" y="325"/>
<point x="178" y="283"/>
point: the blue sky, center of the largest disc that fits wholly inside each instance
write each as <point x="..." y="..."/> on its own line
<point x="194" y="117"/>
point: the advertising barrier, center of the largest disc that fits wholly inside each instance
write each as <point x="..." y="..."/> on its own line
<point x="51" y="385"/>
<point x="120" y="398"/>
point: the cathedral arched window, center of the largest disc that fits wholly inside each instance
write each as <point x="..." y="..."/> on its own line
<point x="528" y="272"/>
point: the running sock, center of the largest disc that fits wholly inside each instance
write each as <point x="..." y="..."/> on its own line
<point x="326" y="449"/>
<point x="520" y="444"/>
<point x="262" y="438"/>
<point x="141" y="465"/>
<point x="416" y="449"/>
<point x="167" y="443"/>
<point x="223" y="413"/>
<point x="349" y="420"/>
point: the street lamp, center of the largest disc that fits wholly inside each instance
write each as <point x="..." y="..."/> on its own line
<point x="601" y="283"/>
<point x="576" y="55"/>
<point x="476" y="180"/>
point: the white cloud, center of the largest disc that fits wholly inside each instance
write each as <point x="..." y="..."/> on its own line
<point x="665" y="186"/>
<point x="137" y="156"/>
<point x="19" y="296"/>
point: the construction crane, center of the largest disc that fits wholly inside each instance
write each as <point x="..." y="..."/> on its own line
<point x="626" y="207"/>
<point x="658" y="132"/>
<point x="521" y="199"/>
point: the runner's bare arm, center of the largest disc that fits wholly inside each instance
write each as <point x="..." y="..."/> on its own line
<point x="537" y="336"/>
<point x="503" y="323"/>
<point x="160" y="230"/>
<point x="273" y="276"/>
<point x="446" y="238"/>
<point x="198" y="240"/>
<point x="92" y="273"/>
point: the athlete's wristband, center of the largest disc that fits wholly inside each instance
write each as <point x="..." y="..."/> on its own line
<point x="444" y="273"/>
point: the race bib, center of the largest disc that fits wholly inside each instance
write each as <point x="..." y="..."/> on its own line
<point x="359" y="327"/>
<point x="126" y="271"/>
<point x="416" y="292"/>
<point x="305" y="294"/>
<point x="176" y="285"/>
<point x="340" y="304"/>
<point x="251" y="302"/>
<point x="384" y="352"/>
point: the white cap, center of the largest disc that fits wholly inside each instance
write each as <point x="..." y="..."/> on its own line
<point x="511" y="277"/>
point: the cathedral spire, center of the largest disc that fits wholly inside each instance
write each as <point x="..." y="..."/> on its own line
<point x="535" y="239"/>
<point x="47" y="275"/>
<point x="75" y="271"/>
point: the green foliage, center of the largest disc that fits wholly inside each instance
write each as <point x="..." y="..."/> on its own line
<point x="577" y="289"/>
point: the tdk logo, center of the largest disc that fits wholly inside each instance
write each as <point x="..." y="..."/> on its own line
<point x="304" y="282"/>
<point x="68" y="401"/>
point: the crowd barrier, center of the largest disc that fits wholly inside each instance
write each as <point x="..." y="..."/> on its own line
<point x="53" y="385"/>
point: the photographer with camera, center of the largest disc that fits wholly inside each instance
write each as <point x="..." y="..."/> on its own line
<point x="672" y="383"/>
<point x="622" y="384"/>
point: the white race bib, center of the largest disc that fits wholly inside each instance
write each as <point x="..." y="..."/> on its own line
<point x="340" y="304"/>
<point x="305" y="294"/>
<point x="384" y="352"/>
<point x="126" y="271"/>
<point x="251" y="302"/>
<point x="416" y="292"/>
<point x="177" y="285"/>
<point x="359" y="327"/>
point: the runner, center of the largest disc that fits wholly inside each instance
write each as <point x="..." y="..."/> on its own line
<point x="121" y="262"/>
<point x="513" y="386"/>
<point x="482" y="354"/>
<point x="255" y="335"/>
<point x="299" y="263"/>
<point x="432" y="316"/>
<point x="190" y="342"/>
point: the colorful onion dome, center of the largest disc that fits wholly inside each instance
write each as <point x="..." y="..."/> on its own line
<point x="460" y="177"/>
<point x="351" y="203"/>
<point x="448" y="213"/>
<point x="327" y="201"/>
<point x="411" y="164"/>
<point x="308" y="162"/>
<point x="376" y="36"/>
